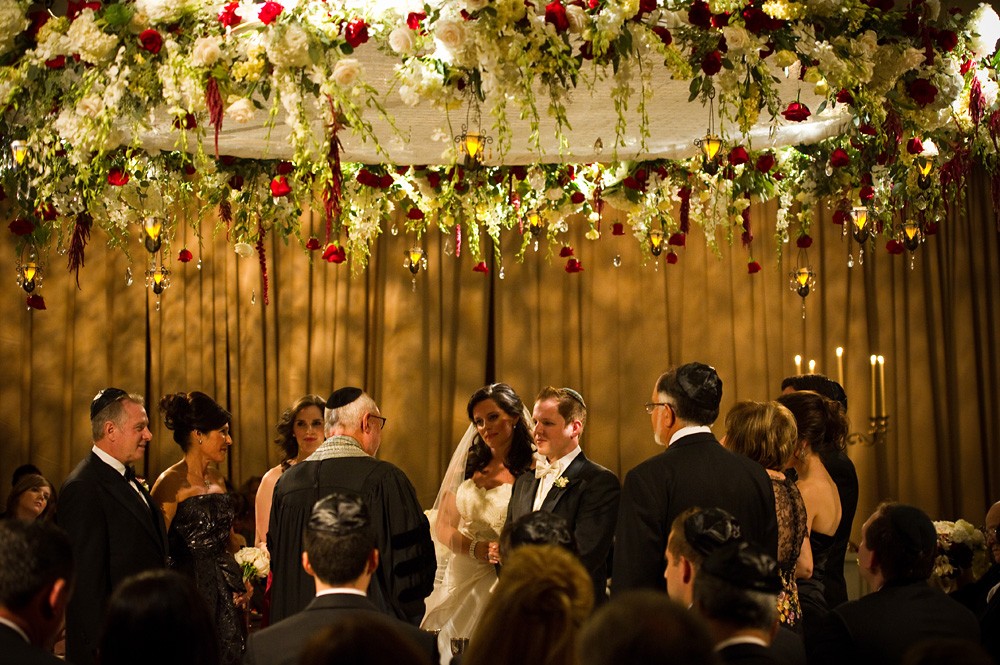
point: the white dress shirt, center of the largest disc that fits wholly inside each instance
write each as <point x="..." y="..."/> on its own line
<point x="549" y="479"/>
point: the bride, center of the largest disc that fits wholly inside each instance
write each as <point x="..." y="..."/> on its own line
<point x="471" y="508"/>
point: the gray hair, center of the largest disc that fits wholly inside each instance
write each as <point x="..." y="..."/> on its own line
<point x="114" y="412"/>
<point x="349" y="416"/>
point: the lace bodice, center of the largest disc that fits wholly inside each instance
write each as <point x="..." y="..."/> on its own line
<point x="483" y="512"/>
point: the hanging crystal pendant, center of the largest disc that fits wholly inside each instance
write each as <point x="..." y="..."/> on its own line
<point x="128" y="276"/>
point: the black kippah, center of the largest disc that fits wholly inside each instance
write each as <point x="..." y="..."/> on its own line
<point x="912" y="528"/>
<point x="104" y="399"/>
<point x="701" y="384"/>
<point x="745" y="566"/>
<point x="340" y="513"/>
<point x="343" y="397"/>
<point x="708" y="530"/>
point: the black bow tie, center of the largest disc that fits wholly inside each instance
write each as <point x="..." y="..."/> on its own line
<point x="129" y="472"/>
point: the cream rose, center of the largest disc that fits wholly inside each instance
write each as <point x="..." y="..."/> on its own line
<point x="90" y="106"/>
<point x="206" y="51"/>
<point x="241" y="111"/>
<point x="346" y="72"/>
<point x="451" y="34"/>
<point x="402" y="40"/>
<point x="577" y="19"/>
<point x="290" y="49"/>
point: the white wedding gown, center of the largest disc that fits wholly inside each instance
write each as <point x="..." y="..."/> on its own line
<point x="461" y="593"/>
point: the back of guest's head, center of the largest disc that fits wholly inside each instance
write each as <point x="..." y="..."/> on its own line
<point x="695" y="391"/>
<point x="946" y="651"/>
<point x="184" y="413"/>
<point x="543" y="597"/>
<point x="362" y="638"/>
<point x="339" y="538"/>
<point x="820" y="421"/>
<point x="157" y="618"/>
<point x="33" y="555"/>
<point x="520" y="453"/>
<point x="286" y="424"/>
<point x="737" y="586"/>
<point x="569" y="403"/>
<point x="540" y="527"/>
<point x="24" y="470"/>
<point x="642" y="627"/>
<point x="763" y="431"/>
<point x="109" y="406"/>
<point x="697" y="532"/>
<point x="26" y="483"/>
<point x="903" y="540"/>
<point x="818" y="383"/>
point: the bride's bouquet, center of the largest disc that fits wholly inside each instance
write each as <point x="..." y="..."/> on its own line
<point x="254" y="563"/>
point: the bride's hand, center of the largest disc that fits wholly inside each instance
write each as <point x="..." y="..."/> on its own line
<point x="493" y="553"/>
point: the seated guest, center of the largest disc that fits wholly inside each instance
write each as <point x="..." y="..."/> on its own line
<point x="896" y="557"/>
<point x="538" y="528"/>
<point x="341" y="557"/>
<point x="365" y="638"/>
<point x="158" y="618"/>
<point x="736" y="593"/>
<point x="22" y="471"/>
<point x="539" y="604"/>
<point x="31" y="498"/>
<point x="990" y="582"/>
<point x="945" y="652"/>
<point x="974" y="595"/>
<point x="36" y="580"/>
<point x="642" y="627"/>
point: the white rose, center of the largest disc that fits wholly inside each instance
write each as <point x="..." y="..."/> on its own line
<point x="206" y="51"/>
<point x="162" y="11"/>
<point x="346" y="72"/>
<point x="409" y="95"/>
<point x="737" y="38"/>
<point x="985" y="26"/>
<point x="451" y="34"/>
<point x="475" y="5"/>
<point x="402" y="40"/>
<point x="12" y="23"/>
<point x="577" y="19"/>
<point x="290" y="48"/>
<point x="241" y="111"/>
<point x="90" y="106"/>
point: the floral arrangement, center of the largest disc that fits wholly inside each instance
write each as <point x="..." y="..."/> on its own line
<point x="961" y="551"/>
<point x="254" y="563"/>
<point x="918" y="88"/>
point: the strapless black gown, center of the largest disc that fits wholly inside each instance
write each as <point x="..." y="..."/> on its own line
<point x="199" y="540"/>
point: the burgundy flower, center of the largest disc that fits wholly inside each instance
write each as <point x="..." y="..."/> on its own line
<point x="189" y="169"/>
<point x="867" y="129"/>
<point x="796" y="112"/>
<point x="555" y="13"/>
<point x="47" y="211"/>
<point x="664" y="35"/>
<point x="841" y="217"/>
<point x="677" y="240"/>
<point x="415" y="213"/>
<point x="519" y="171"/>
<point x="150" y="40"/>
<point x="228" y="16"/>
<point x="930" y="228"/>
<point x="385" y="181"/>
<point x="270" y="11"/>
<point x="738" y="155"/>
<point x="922" y="91"/>
<point x="671" y="258"/>
<point x="481" y="267"/>
<point x="413" y="20"/>
<point x="184" y="256"/>
<point x="334" y="254"/>
<point x="765" y="162"/>
<point x="565" y="251"/>
<point x="118" y="177"/>
<point x="845" y="97"/>
<point x="804" y="241"/>
<point x="572" y="265"/>
<point x="617" y="229"/>
<point x="753" y="267"/>
<point x="187" y="122"/>
<point x="577" y="198"/>
<point x="434" y="179"/>
<point x="367" y="178"/>
<point x="236" y="182"/>
<point x="73" y="9"/>
<point x="756" y="20"/>
<point x="35" y="301"/>
<point x="700" y="14"/>
<point x="284" y="168"/>
<point x="947" y="40"/>
<point x="312" y="244"/>
<point x="746" y="237"/>
<point x="839" y="158"/>
<point x="645" y="7"/>
<point x="21" y="226"/>
<point x="914" y="146"/>
<point x="280" y="186"/>
<point x="57" y="62"/>
<point x="356" y="32"/>
<point x="866" y="193"/>
<point x="894" y="247"/>
<point x="711" y="64"/>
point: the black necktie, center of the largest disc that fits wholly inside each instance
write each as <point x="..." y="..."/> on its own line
<point x="129" y="472"/>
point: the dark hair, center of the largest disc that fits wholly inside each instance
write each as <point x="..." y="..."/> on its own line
<point x="22" y="471"/>
<point x="645" y="626"/>
<point x="697" y="532"/>
<point x="820" y="421"/>
<point x="160" y="615"/>
<point x="818" y="383"/>
<point x="286" y="425"/>
<point x="537" y="528"/>
<point x="726" y="603"/>
<point x="33" y="555"/>
<point x="520" y="455"/>
<point x="698" y="403"/>
<point x="185" y="413"/>
<point x="362" y="638"/>
<point x="904" y="542"/>
<point x="29" y="482"/>
<point x="339" y="538"/>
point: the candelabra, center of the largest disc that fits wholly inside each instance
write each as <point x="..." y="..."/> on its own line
<point x="878" y="429"/>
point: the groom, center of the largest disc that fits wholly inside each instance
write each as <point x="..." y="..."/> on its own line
<point x="566" y="483"/>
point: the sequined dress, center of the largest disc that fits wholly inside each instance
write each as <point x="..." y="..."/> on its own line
<point x="199" y="539"/>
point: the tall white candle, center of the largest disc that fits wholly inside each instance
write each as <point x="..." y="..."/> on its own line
<point x="840" y="365"/>
<point x="798" y="364"/>
<point x="812" y="366"/>
<point x="874" y="360"/>
<point x="881" y="385"/>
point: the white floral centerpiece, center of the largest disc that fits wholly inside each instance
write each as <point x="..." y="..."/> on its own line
<point x="961" y="554"/>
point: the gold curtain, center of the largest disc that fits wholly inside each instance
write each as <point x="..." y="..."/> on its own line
<point x="607" y="331"/>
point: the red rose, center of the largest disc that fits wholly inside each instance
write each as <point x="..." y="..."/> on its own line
<point x="700" y="14"/>
<point x="671" y="258"/>
<point x="573" y="265"/>
<point x="796" y="112"/>
<point x="312" y="244"/>
<point x="765" y="162"/>
<point x="236" y="182"/>
<point x="519" y="171"/>
<point x="35" y="301"/>
<point x="284" y="168"/>
<point x="756" y="20"/>
<point x="184" y="256"/>
<point x="738" y="155"/>
<point x="367" y="178"/>
<point x="947" y="40"/>
<point x="73" y="9"/>
<point x="839" y="158"/>
<point x="385" y="181"/>
<point x="711" y="64"/>
<point x="555" y="14"/>
<point x="187" y="122"/>
<point x="845" y="97"/>
<point x="118" y="177"/>
<point x="47" y="211"/>
<point x="841" y="217"/>
<point x="481" y="267"/>
<point x="867" y="193"/>
<point x="57" y="62"/>
<point x="677" y="240"/>
<point x="645" y="7"/>
<point x="434" y="179"/>
<point x="413" y="20"/>
<point x="922" y="91"/>
<point x="280" y="186"/>
<point x="150" y="40"/>
<point x="228" y="16"/>
<point x="894" y="247"/>
<point x="617" y="229"/>
<point x="867" y="129"/>
<point x="914" y="146"/>
<point x="21" y="227"/>
<point x="746" y="238"/>
<point x="356" y="32"/>
<point x="270" y="11"/>
<point x="664" y="35"/>
<point x="415" y="213"/>
<point x="334" y="254"/>
<point x="577" y="198"/>
<point x="804" y="241"/>
<point x="565" y="251"/>
<point x="753" y="267"/>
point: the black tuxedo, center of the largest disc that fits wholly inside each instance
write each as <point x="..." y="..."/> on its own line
<point x="747" y="653"/>
<point x="696" y="471"/>
<point x="16" y="650"/>
<point x="880" y="627"/>
<point x="589" y="502"/>
<point x="114" y="536"/>
<point x="282" y="643"/>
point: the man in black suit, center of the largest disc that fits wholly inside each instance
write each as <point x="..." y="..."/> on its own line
<point x="341" y="556"/>
<point x="115" y="527"/>
<point x="896" y="557"/>
<point x="694" y="470"/>
<point x="566" y="483"/>
<point x="36" y="581"/>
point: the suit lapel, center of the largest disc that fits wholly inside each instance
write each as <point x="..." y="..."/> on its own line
<point x="121" y="490"/>
<point x="571" y="475"/>
<point x="524" y="497"/>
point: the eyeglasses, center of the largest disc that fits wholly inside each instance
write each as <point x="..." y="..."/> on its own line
<point x="381" y="420"/>
<point x="651" y="406"/>
<point x="993" y="531"/>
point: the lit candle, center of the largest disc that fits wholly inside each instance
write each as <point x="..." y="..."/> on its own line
<point x="874" y="360"/>
<point x="798" y="364"/>
<point x="840" y="365"/>
<point x="812" y="366"/>
<point x="881" y="384"/>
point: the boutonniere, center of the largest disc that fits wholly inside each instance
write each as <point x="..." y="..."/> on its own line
<point x="142" y="483"/>
<point x="561" y="482"/>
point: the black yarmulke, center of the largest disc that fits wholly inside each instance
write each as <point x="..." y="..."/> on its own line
<point x="339" y="513"/>
<point x="105" y="398"/>
<point x="744" y="565"/>
<point x="708" y="530"/>
<point x="701" y="384"/>
<point x="343" y="397"/>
